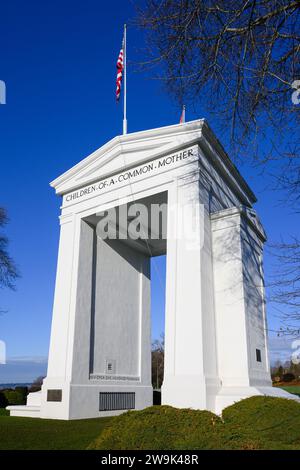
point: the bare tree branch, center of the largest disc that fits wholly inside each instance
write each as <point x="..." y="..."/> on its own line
<point x="8" y="270"/>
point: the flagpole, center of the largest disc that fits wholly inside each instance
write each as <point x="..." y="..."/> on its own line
<point x="125" y="83"/>
<point x="182" y="117"/>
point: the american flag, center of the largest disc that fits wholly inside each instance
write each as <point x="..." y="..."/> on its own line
<point x="120" y="67"/>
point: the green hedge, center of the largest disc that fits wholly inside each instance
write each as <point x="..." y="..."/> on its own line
<point x="3" y="400"/>
<point x="255" y="423"/>
<point x="12" y="397"/>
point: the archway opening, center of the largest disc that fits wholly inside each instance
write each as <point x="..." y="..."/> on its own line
<point x="130" y="251"/>
<point x="158" y="291"/>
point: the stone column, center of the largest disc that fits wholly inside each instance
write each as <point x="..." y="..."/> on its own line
<point x="190" y="378"/>
<point x="239" y="302"/>
<point x="60" y="359"/>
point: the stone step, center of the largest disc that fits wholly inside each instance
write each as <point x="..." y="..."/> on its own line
<point x="28" y="411"/>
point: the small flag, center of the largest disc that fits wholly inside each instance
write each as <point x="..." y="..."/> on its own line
<point x="182" y="117"/>
<point x="120" y="67"/>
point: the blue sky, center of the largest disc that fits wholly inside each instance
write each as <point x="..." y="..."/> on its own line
<point x="58" y="62"/>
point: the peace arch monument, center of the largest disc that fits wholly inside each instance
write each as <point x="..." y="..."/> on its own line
<point x="216" y="349"/>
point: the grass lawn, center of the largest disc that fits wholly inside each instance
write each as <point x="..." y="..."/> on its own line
<point x="43" y="434"/>
<point x="292" y="389"/>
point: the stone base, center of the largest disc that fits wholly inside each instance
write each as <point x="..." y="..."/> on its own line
<point x="84" y="400"/>
<point x="185" y="393"/>
<point x="190" y="392"/>
<point x="79" y="402"/>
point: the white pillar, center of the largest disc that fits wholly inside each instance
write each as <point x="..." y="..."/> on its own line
<point x="190" y="378"/>
<point x="240" y="305"/>
<point x="57" y="362"/>
<point x="60" y="360"/>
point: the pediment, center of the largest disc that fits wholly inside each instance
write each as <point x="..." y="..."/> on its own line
<point x="126" y="151"/>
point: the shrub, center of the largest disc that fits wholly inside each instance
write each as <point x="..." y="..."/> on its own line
<point x="3" y="400"/>
<point x="14" y="397"/>
<point x="23" y="391"/>
<point x="274" y="422"/>
<point x="254" y="423"/>
<point x="161" y="427"/>
<point x="288" y="377"/>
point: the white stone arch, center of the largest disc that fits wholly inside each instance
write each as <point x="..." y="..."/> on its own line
<point x="100" y="351"/>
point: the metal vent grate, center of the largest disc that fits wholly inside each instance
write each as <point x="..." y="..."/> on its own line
<point x="116" y="401"/>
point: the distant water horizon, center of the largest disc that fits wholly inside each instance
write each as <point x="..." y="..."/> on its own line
<point x="14" y="385"/>
<point x="22" y="370"/>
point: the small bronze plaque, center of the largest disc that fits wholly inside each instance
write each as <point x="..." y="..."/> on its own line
<point x="54" y="395"/>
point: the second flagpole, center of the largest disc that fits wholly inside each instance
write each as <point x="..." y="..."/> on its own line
<point x="125" y="83"/>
